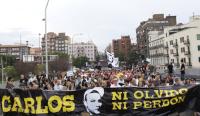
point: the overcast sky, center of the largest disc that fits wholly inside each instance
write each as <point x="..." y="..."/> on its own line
<point x="97" y="20"/>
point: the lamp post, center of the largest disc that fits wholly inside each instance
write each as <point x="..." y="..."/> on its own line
<point x="46" y="52"/>
<point x="40" y="48"/>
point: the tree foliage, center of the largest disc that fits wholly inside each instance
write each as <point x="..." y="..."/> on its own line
<point x="60" y="64"/>
<point x="8" y="60"/>
<point x="61" y="55"/>
<point x="24" y="68"/>
<point x="120" y="55"/>
<point x="39" y="68"/>
<point x="10" y="71"/>
<point x="80" y="62"/>
<point x="133" y="58"/>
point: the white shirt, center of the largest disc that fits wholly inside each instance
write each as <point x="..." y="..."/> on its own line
<point x="58" y="87"/>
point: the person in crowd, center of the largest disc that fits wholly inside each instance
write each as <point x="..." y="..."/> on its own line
<point x="187" y="82"/>
<point x="10" y="83"/>
<point x="110" y="78"/>
<point x="170" y="69"/>
<point x="177" y="81"/>
<point x="182" y="70"/>
<point x="57" y="85"/>
<point x="23" y="81"/>
<point x="32" y="78"/>
<point x="33" y="85"/>
<point x="120" y="82"/>
<point x="46" y="85"/>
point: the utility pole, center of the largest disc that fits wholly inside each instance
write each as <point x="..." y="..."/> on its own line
<point x="40" y="48"/>
<point x="20" y="48"/>
<point x="46" y="48"/>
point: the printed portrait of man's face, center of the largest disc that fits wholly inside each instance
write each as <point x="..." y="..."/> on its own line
<point x="92" y="100"/>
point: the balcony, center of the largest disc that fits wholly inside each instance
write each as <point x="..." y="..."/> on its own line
<point x="166" y="46"/>
<point x="156" y="46"/>
<point x="166" y="55"/>
<point x="175" y="54"/>
<point x="187" y="53"/>
<point x="175" y="45"/>
<point x="187" y="43"/>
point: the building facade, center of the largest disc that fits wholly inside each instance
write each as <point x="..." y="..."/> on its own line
<point x="88" y="49"/>
<point x="15" y="50"/>
<point x="122" y="46"/>
<point x="35" y="51"/>
<point x="157" y="52"/>
<point x="38" y="58"/>
<point x="157" y="23"/>
<point x="182" y="43"/>
<point x="56" y="42"/>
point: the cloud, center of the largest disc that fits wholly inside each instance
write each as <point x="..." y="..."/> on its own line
<point x="102" y="20"/>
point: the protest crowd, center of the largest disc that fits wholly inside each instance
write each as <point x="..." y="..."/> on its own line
<point x="136" y="77"/>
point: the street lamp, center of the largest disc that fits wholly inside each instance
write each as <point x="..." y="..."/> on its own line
<point x="46" y="52"/>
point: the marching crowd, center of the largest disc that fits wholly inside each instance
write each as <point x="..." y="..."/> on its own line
<point x="137" y="77"/>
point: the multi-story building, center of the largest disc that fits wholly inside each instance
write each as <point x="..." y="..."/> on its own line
<point x="134" y="48"/>
<point x="88" y="49"/>
<point x="157" y="52"/>
<point x="15" y="50"/>
<point x="122" y="46"/>
<point x="182" y="43"/>
<point x="35" y="51"/>
<point x="56" y="43"/>
<point x="157" y="23"/>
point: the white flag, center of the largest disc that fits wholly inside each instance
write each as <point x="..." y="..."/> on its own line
<point x="110" y="57"/>
<point x="115" y="62"/>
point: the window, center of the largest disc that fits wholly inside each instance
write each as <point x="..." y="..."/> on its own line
<point x="171" y="51"/>
<point x="188" y="37"/>
<point x="184" y="60"/>
<point x="181" y="39"/>
<point x="198" y="47"/>
<point x="198" y="36"/>
<point x="171" y="42"/>
<point x="182" y="49"/>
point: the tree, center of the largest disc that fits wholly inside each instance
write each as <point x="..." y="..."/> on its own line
<point x="120" y="56"/>
<point x="80" y="62"/>
<point x="8" y="60"/>
<point x="61" y="55"/>
<point x="24" y="68"/>
<point x="11" y="71"/>
<point x="60" y="64"/>
<point x="39" y="68"/>
<point x="133" y="58"/>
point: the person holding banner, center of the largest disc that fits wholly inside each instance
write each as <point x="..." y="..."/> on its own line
<point x="92" y="100"/>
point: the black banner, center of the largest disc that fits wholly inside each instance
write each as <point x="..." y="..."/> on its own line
<point x="101" y="101"/>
